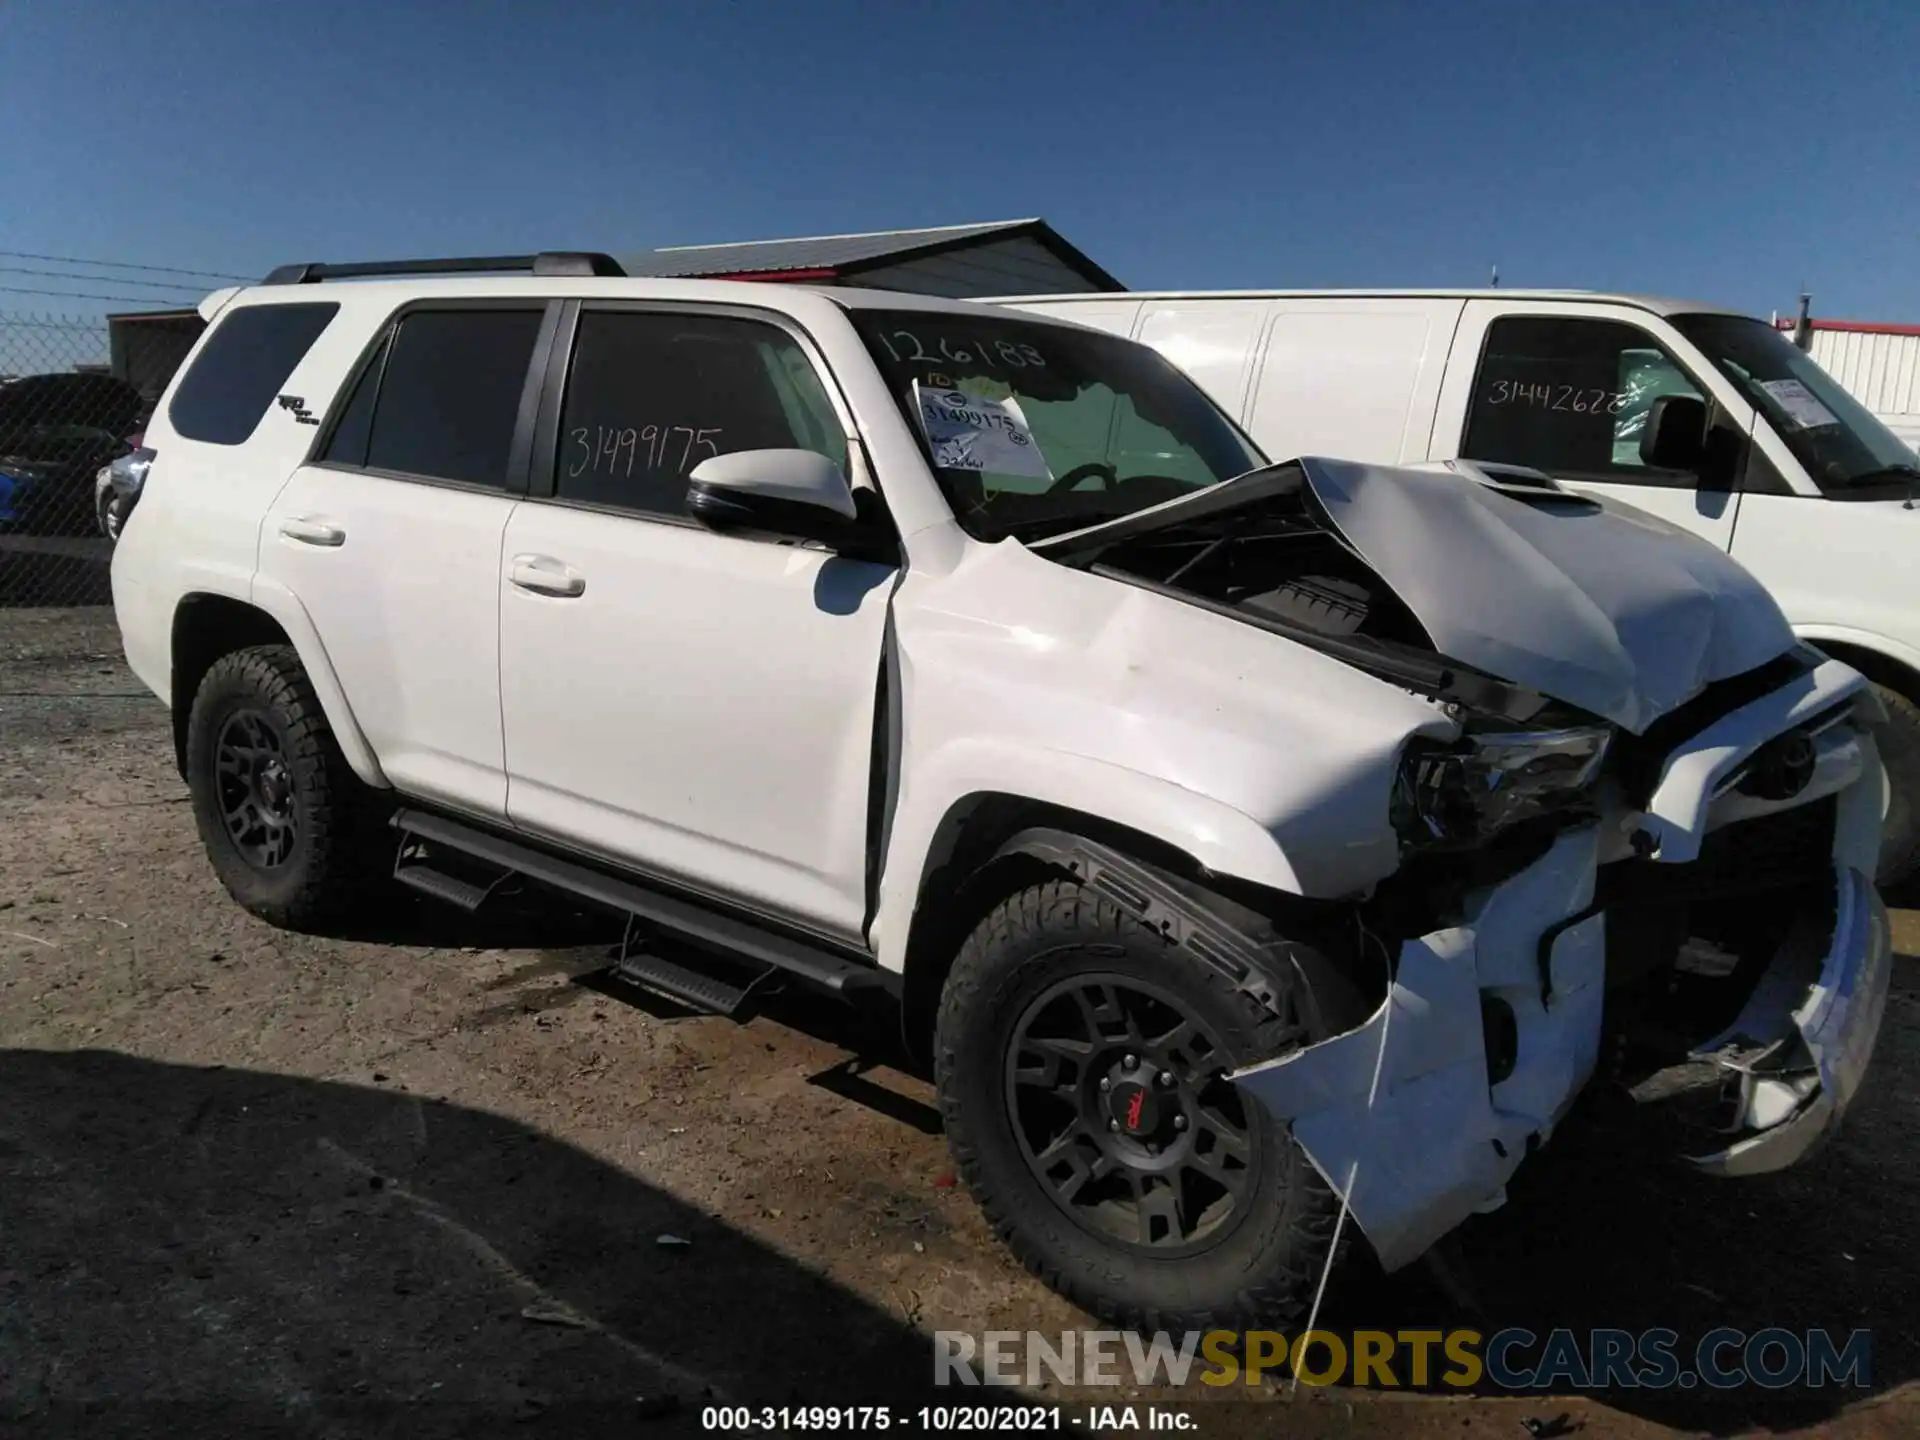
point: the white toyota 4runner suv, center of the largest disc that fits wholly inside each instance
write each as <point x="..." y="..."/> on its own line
<point x="1249" y="845"/>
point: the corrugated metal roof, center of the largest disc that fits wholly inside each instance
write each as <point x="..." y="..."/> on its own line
<point x="814" y="252"/>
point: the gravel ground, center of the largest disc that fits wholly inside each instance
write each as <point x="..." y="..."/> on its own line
<point x="417" y="1179"/>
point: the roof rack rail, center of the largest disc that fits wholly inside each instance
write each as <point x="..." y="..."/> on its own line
<point x="574" y="263"/>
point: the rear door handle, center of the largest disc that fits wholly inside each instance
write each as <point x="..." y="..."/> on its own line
<point x="545" y="575"/>
<point x="313" y="532"/>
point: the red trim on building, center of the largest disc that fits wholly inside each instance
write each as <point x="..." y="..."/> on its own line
<point x="777" y="276"/>
<point x="1855" y="327"/>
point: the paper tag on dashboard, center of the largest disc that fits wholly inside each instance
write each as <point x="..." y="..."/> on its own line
<point x="974" y="432"/>
<point x="1794" y="398"/>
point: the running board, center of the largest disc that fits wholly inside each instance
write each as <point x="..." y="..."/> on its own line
<point x="692" y="985"/>
<point x="673" y="916"/>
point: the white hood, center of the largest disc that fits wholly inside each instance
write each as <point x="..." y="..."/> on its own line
<point x="1594" y="603"/>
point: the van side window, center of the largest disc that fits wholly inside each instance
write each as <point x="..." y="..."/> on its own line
<point x="241" y="368"/>
<point x="450" y="394"/>
<point x="650" y="396"/>
<point x="1570" y="396"/>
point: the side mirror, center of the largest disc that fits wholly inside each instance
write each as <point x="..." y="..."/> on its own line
<point x="1675" y="437"/>
<point x="784" y="492"/>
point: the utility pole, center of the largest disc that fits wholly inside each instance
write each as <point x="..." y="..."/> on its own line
<point x="1495" y="281"/>
<point x="1803" y="323"/>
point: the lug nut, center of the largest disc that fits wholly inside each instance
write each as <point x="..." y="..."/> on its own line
<point x="1131" y="1062"/>
<point x="1166" y="1078"/>
<point x="1179" y="1122"/>
<point x="1106" y="1082"/>
<point x="1113" y="1125"/>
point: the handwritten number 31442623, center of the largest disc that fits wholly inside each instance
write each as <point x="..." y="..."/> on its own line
<point x="613" y="450"/>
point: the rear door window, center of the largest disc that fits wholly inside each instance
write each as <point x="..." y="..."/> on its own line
<point x="239" y="371"/>
<point x="1570" y="396"/>
<point x="449" y="395"/>
<point x="651" y="395"/>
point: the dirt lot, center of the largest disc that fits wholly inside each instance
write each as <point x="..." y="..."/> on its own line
<point x="416" y="1180"/>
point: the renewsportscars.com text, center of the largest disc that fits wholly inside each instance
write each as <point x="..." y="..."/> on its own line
<point x="1512" y="1359"/>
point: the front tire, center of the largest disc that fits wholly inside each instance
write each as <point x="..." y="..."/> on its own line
<point x="288" y="826"/>
<point x="1081" y="1060"/>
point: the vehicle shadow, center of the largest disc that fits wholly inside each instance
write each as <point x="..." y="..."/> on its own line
<point x="213" y="1251"/>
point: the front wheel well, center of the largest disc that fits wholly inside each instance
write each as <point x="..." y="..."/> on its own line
<point x="205" y="627"/>
<point x="967" y="874"/>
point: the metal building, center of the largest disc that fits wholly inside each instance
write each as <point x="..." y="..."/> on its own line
<point x="996" y="257"/>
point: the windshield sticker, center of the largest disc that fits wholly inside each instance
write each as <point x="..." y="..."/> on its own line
<point x="977" y="432"/>
<point x="1802" y="409"/>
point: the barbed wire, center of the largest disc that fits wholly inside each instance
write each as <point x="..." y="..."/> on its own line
<point x="121" y="265"/>
<point x="88" y="295"/>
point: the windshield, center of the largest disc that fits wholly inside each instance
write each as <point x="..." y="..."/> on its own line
<point x="1035" y="429"/>
<point x="1832" y="434"/>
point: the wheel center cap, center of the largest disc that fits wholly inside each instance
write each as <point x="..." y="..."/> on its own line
<point x="1134" y="1106"/>
<point x="274" y="786"/>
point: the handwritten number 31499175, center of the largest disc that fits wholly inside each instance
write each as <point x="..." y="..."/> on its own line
<point x="612" y="450"/>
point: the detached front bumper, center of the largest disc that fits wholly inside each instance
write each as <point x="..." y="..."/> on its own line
<point x="1401" y="1115"/>
<point x="1797" y="1055"/>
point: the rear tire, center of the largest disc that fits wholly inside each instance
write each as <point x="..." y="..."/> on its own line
<point x="1900" y="752"/>
<point x="291" y="831"/>
<point x="1230" y="1231"/>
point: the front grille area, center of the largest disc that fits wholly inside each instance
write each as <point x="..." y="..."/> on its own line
<point x="1636" y="760"/>
<point x="1782" y="850"/>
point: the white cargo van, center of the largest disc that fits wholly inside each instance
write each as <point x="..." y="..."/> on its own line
<point x="1707" y="418"/>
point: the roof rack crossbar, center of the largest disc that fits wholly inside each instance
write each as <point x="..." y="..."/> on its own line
<point x="574" y="263"/>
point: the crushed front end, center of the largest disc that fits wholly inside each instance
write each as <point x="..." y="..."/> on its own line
<point x="1697" y="894"/>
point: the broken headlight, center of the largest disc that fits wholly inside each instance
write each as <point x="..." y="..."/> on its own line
<point x="1481" y="783"/>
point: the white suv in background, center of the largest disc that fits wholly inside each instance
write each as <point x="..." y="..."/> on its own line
<point x="1237" y="837"/>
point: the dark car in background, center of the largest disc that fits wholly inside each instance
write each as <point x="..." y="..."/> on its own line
<point x="57" y="432"/>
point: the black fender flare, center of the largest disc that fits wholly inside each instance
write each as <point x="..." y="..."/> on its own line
<point x="1282" y="974"/>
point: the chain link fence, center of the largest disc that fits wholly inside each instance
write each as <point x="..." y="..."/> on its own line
<point x="75" y="394"/>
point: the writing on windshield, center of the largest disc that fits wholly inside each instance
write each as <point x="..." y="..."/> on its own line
<point x="1032" y="427"/>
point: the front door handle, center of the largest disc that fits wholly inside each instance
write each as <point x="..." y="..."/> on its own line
<point x="545" y="575"/>
<point x="309" y="531"/>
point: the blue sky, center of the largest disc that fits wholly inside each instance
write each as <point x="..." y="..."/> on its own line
<point x="1729" y="152"/>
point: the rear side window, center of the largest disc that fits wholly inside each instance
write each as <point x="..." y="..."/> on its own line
<point x="449" y="396"/>
<point x="348" y="444"/>
<point x="241" y="368"/>
<point x="651" y="396"/>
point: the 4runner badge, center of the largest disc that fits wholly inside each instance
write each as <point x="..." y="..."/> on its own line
<point x="299" y="408"/>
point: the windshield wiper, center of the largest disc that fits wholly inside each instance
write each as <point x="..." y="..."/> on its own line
<point x="1909" y="473"/>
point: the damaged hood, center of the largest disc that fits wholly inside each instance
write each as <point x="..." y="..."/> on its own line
<point x="1597" y="604"/>
<point x="1590" y="602"/>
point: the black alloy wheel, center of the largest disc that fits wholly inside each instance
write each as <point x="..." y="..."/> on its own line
<point x="256" y="786"/>
<point x="1124" y="1113"/>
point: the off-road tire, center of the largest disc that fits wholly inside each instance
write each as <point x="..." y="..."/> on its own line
<point x="1899" y="744"/>
<point x="340" y="855"/>
<point x="1264" y="1269"/>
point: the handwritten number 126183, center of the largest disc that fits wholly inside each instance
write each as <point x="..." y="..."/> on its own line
<point x="611" y="450"/>
<point x="911" y="349"/>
